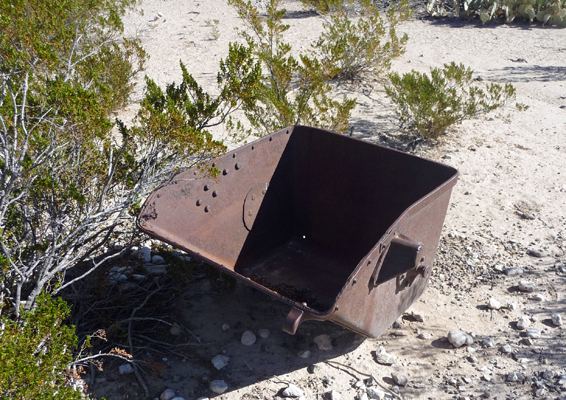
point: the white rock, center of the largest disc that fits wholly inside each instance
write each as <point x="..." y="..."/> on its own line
<point x="557" y="319"/>
<point x="424" y="336"/>
<point x="218" y="386"/>
<point x="363" y="396"/>
<point x="524" y="322"/>
<point x="157" y="260"/>
<point x="514" y="271"/>
<point x="512" y="306"/>
<point x="263" y="333"/>
<point x="548" y="374"/>
<point x="489" y="342"/>
<point x="220" y="361"/>
<point x="375" y="393"/>
<point x="515" y="377"/>
<point x="175" y="329"/>
<point x="417" y="315"/>
<point x="384" y="358"/>
<point x="470" y="349"/>
<point x="125" y="369"/>
<point x="248" y="338"/>
<point x="225" y="327"/>
<point x="459" y="338"/>
<point x="333" y="395"/>
<point x="304" y="354"/>
<point x="399" y="379"/>
<point x="292" y="391"/>
<point x="537" y="297"/>
<point x="178" y="398"/>
<point x="323" y="342"/>
<point x="527" y="286"/>
<point x="494" y="304"/>
<point x="507" y="349"/>
<point x="168" y="394"/>
<point x="145" y="254"/>
<point x="533" y="333"/>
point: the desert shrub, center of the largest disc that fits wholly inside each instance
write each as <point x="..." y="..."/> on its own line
<point x="428" y="105"/>
<point x="354" y="47"/>
<point x="37" y="352"/>
<point x="323" y="6"/>
<point x="551" y="12"/>
<point x="292" y="90"/>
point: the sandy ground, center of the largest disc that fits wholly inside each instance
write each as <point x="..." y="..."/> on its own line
<point x="512" y="165"/>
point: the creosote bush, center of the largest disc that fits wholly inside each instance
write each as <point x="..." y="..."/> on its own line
<point x="428" y="105"/>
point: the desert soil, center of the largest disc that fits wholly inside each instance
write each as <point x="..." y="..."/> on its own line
<point x="508" y="210"/>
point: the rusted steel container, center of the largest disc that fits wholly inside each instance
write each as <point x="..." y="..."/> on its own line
<point x="337" y="228"/>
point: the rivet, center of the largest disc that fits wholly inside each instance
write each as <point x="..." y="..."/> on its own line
<point x="206" y="187"/>
<point x="158" y="196"/>
<point x="199" y="202"/>
<point x="287" y="131"/>
<point x="234" y="155"/>
<point x="214" y="164"/>
<point x="214" y="194"/>
<point x="194" y="173"/>
<point x="270" y="139"/>
<point x="422" y="259"/>
<point x="253" y="196"/>
<point x="250" y="213"/>
<point x="225" y="172"/>
<point x="264" y="191"/>
<point x="253" y="147"/>
<point x="355" y="281"/>
<point x="238" y="166"/>
<point x="176" y="182"/>
<point x="369" y="262"/>
<point x="337" y="308"/>
<point x="207" y="209"/>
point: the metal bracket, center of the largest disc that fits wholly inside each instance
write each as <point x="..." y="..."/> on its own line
<point x="401" y="260"/>
<point x="252" y="203"/>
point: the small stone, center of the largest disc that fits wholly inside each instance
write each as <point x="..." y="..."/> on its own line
<point x="363" y="396"/>
<point x="125" y="369"/>
<point x="263" y="333"/>
<point x="534" y="318"/>
<point x="168" y="394"/>
<point x="514" y="271"/>
<point x="145" y="254"/>
<point x="494" y="304"/>
<point x="304" y="354"/>
<point x="220" y="361"/>
<point x="218" y="386"/>
<point x="507" y="349"/>
<point x="375" y="393"/>
<point x="425" y="336"/>
<point x="528" y="341"/>
<point x="323" y="342"/>
<point x="157" y="260"/>
<point x="399" y="379"/>
<point x="225" y="327"/>
<point x="535" y="253"/>
<point x="176" y="378"/>
<point x="548" y="374"/>
<point x="523" y="323"/>
<point x="512" y="306"/>
<point x="486" y="377"/>
<point x="313" y="368"/>
<point x="139" y="277"/>
<point x="458" y="338"/>
<point x="515" y="376"/>
<point x="473" y="359"/>
<point x="489" y="342"/>
<point x="470" y="350"/>
<point x="557" y="319"/>
<point x="175" y="329"/>
<point x="178" y="398"/>
<point x="417" y="315"/>
<point x="333" y="395"/>
<point x="537" y="297"/>
<point x="384" y="358"/>
<point x="527" y="286"/>
<point x="540" y="392"/>
<point x="533" y="333"/>
<point x="248" y="338"/>
<point x="292" y="391"/>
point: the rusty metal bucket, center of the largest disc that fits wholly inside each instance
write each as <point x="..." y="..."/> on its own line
<point x="339" y="229"/>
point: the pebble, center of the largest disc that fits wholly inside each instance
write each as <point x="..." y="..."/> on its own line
<point x="534" y="318"/>
<point x="375" y="393"/>
<point x="470" y="349"/>
<point x="175" y="329"/>
<point x="333" y="395"/>
<point x="515" y="377"/>
<point x="304" y="354"/>
<point x="417" y="315"/>
<point x="557" y="319"/>
<point x="512" y="306"/>
<point x="220" y="361"/>
<point x="125" y="369"/>
<point x="489" y="342"/>
<point x="514" y="271"/>
<point x="311" y="369"/>
<point x="537" y="297"/>
<point x="540" y="392"/>
<point x="139" y="277"/>
<point x="507" y="349"/>
<point x="533" y="333"/>
<point x="425" y="336"/>
<point x="363" y="396"/>
<point x="225" y="327"/>
<point x="384" y="358"/>
<point x="292" y="391"/>
<point x="323" y="342"/>
<point x="486" y="377"/>
<point x="178" y="398"/>
<point x="494" y="304"/>
<point x="399" y="379"/>
<point x="459" y="338"/>
<point x="248" y="338"/>
<point x="473" y="359"/>
<point x="168" y="394"/>
<point x="548" y="374"/>
<point x="145" y="254"/>
<point x="523" y="323"/>
<point x="218" y="386"/>
<point x="527" y="286"/>
<point x="157" y="260"/>
<point x="263" y="333"/>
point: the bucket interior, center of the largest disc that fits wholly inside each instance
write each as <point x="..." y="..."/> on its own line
<point x="329" y="201"/>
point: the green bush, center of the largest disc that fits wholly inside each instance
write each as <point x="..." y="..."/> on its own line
<point x="427" y="105"/>
<point x="353" y="48"/>
<point x="36" y="353"/>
